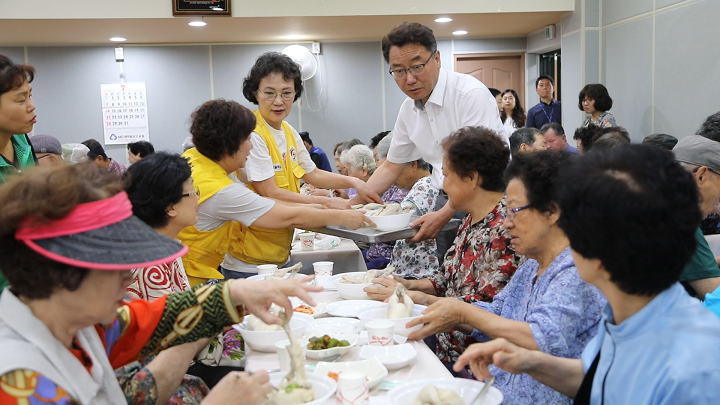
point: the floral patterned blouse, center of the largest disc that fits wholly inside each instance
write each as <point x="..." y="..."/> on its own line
<point x="563" y="312"/>
<point x="478" y="265"/>
<point x="604" y="120"/>
<point x="141" y="329"/>
<point x="392" y="195"/>
<point x="418" y="260"/>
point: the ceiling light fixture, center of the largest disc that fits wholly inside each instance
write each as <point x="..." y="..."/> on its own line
<point x="460" y="32"/>
<point x="200" y="23"/>
<point x="118" y="39"/>
<point x="443" y="19"/>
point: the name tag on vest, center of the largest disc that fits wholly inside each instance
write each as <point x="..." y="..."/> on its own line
<point x="277" y="167"/>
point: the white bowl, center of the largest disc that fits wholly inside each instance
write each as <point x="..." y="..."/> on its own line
<point x="352" y="338"/>
<point x="379" y="312"/>
<point x="265" y="341"/>
<point x="392" y="357"/>
<point x="326" y="326"/>
<point x="261" y="277"/>
<point x="373" y="370"/>
<point x="350" y="291"/>
<point x="406" y="393"/>
<point x="323" y="386"/>
<point x="391" y="222"/>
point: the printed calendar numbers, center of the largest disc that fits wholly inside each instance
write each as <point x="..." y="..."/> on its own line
<point x="124" y="112"/>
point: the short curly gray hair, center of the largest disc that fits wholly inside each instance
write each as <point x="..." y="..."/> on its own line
<point x="358" y="157"/>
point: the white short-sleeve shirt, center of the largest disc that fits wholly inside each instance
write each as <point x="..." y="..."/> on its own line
<point x="259" y="165"/>
<point x="458" y="100"/>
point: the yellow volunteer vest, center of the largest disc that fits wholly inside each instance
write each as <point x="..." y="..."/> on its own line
<point x="207" y="248"/>
<point x="270" y="246"/>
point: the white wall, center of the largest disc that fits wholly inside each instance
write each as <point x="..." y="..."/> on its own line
<point x="657" y="58"/>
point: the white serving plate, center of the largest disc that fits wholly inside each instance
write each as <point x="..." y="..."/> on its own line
<point x="379" y="312"/>
<point x="323" y="387"/>
<point x="333" y="325"/>
<point x="352" y="338"/>
<point x="351" y="308"/>
<point x="406" y="393"/>
<point x="373" y="370"/>
<point x="320" y="309"/>
<point x="392" y="357"/>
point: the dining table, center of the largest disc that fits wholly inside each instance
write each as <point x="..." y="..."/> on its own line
<point x="425" y="365"/>
<point x="346" y="257"/>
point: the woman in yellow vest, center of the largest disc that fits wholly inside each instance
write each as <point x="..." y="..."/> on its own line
<point x="276" y="164"/>
<point x="221" y="134"/>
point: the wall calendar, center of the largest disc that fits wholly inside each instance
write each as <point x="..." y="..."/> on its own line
<point x="124" y="109"/>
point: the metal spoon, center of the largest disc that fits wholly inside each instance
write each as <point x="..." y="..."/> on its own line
<point x="488" y="383"/>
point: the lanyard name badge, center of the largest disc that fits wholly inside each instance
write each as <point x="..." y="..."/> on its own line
<point x="549" y="117"/>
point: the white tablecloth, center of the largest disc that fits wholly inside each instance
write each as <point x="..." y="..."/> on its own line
<point x="346" y="257"/>
<point x="426" y="365"/>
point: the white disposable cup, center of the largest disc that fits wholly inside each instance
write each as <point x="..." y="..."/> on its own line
<point x="307" y="241"/>
<point x="267" y="268"/>
<point x="352" y="389"/>
<point x="380" y="332"/>
<point x="284" y="355"/>
<point x="323" y="273"/>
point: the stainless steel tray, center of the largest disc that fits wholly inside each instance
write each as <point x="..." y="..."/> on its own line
<point x="372" y="235"/>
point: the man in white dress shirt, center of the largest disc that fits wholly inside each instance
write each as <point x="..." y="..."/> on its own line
<point x="439" y="102"/>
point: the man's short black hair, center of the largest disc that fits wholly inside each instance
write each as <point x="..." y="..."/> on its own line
<point x="141" y="148"/>
<point x="539" y="172"/>
<point x="710" y="128"/>
<point x="408" y="33"/>
<point x="537" y="81"/>
<point x="494" y="91"/>
<point x="375" y="140"/>
<point x="305" y="136"/>
<point x="636" y="210"/>
<point x="522" y="136"/>
<point x="267" y="63"/>
<point x="154" y="183"/>
<point x="555" y="127"/>
<point x="611" y="140"/>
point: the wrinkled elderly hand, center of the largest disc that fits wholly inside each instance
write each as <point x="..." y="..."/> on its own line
<point x="430" y="225"/>
<point x="258" y="296"/>
<point x="384" y="292"/>
<point x="240" y="388"/>
<point x="366" y="193"/>
<point x="443" y="315"/>
<point x="503" y="354"/>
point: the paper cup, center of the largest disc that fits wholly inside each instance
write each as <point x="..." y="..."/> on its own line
<point x="307" y="241"/>
<point x="267" y="268"/>
<point x="380" y="332"/>
<point x="323" y="273"/>
<point x="352" y="389"/>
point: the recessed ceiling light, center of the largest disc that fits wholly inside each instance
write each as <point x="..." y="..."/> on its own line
<point x="443" y="19"/>
<point x="461" y="32"/>
<point x="295" y="36"/>
<point x="197" y="23"/>
<point x="118" y="39"/>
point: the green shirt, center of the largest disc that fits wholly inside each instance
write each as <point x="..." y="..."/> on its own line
<point x="25" y="158"/>
<point x="702" y="264"/>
